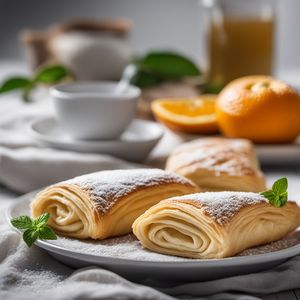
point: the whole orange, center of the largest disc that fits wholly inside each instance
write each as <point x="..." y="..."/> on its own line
<point x="259" y="108"/>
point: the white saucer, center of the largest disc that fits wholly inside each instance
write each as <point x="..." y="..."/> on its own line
<point x="134" y="144"/>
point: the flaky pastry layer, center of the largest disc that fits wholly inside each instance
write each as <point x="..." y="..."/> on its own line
<point x="214" y="225"/>
<point x="105" y="204"/>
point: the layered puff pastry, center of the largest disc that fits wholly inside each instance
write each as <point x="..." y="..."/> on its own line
<point x="105" y="204"/>
<point x="218" y="164"/>
<point x="214" y="225"/>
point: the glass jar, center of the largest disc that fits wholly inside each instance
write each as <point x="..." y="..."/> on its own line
<point x="239" y="38"/>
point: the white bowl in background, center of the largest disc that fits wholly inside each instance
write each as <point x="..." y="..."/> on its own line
<point x="94" y="110"/>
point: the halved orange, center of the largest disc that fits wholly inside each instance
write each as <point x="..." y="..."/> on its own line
<point x="194" y="115"/>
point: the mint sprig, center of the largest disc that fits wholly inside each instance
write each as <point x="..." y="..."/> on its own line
<point x="159" y="66"/>
<point x="48" y="75"/>
<point x="14" y="83"/>
<point x="34" y="228"/>
<point x="278" y="195"/>
<point x="52" y="74"/>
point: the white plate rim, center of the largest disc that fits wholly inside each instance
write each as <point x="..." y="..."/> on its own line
<point x="92" y="143"/>
<point x="282" y="254"/>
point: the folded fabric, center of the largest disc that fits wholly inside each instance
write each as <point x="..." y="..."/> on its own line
<point x="27" y="274"/>
<point x="27" y="169"/>
<point x="25" y="165"/>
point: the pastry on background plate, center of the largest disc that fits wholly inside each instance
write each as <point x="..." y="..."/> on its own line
<point x="218" y="164"/>
<point x="105" y="204"/>
<point x="214" y="225"/>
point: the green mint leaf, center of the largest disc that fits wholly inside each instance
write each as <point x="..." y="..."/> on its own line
<point x="36" y="228"/>
<point x="22" y="222"/>
<point x="276" y="201"/>
<point x="52" y="74"/>
<point x="168" y="65"/>
<point x="47" y="233"/>
<point x="14" y="83"/>
<point x="283" y="198"/>
<point x="30" y="236"/>
<point x="278" y="196"/>
<point x="144" y="79"/>
<point x="268" y="194"/>
<point x="280" y="186"/>
<point x="42" y="219"/>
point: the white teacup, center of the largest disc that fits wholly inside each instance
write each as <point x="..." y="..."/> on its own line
<point x="94" y="110"/>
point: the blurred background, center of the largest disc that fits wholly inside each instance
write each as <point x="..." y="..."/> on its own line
<point x="171" y="24"/>
<point x="183" y="54"/>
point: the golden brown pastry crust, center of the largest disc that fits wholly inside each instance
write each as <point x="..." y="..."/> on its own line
<point x="214" y="225"/>
<point x="218" y="164"/>
<point x="104" y="204"/>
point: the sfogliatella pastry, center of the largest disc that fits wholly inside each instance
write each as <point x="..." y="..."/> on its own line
<point x="105" y="204"/>
<point x="214" y="225"/>
<point x="218" y="164"/>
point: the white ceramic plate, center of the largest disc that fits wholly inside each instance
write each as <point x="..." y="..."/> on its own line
<point x="134" y="144"/>
<point x="125" y="256"/>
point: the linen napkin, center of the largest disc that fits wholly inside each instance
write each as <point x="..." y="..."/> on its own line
<point x="25" y="165"/>
<point x="33" y="274"/>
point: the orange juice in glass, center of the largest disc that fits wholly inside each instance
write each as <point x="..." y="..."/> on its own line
<point x="239" y="38"/>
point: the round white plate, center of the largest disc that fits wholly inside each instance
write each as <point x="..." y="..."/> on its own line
<point x="279" y="154"/>
<point x="134" y="144"/>
<point x="125" y="256"/>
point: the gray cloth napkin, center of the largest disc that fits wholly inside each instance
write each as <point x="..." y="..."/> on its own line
<point x="33" y="274"/>
<point x="25" y="165"/>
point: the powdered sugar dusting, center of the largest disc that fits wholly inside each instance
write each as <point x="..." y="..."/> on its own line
<point x="222" y="206"/>
<point x="124" y="247"/>
<point x="128" y="247"/>
<point x="106" y="187"/>
<point x="288" y="241"/>
<point x="217" y="154"/>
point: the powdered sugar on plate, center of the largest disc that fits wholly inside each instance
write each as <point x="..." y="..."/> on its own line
<point x="124" y="247"/>
<point x="290" y="240"/>
<point x="128" y="247"/>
